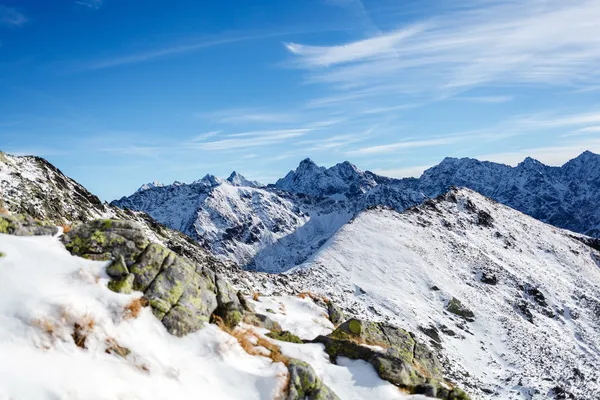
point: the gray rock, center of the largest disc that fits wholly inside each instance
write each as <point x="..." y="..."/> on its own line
<point x="182" y="295"/>
<point x="123" y="285"/>
<point x="455" y="306"/>
<point x="24" y="225"/>
<point x="305" y="384"/>
<point x="118" y="268"/>
<point x="404" y="361"/>
<point x="336" y="315"/>
<point x="106" y="239"/>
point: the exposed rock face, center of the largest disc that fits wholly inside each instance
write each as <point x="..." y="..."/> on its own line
<point x="455" y="306"/>
<point x="24" y="225"/>
<point x="402" y="360"/>
<point x="33" y="186"/>
<point x="182" y="295"/>
<point x="336" y="315"/>
<point x="305" y="384"/>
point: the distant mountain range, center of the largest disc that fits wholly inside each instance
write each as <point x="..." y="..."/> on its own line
<point x="274" y="227"/>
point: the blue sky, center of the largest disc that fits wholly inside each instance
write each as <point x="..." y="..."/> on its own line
<point x="117" y="93"/>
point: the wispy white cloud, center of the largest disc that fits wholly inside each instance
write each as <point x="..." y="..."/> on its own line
<point x="499" y="42"/>
<point x="408" y="144"/>
<point x="204" y="136"/>
<point x="583" y="131"/>
<point x="249" y="115"/>
<point x="377" y="47"/>
<point x="249" y="139"/>
<point x="337" y="141"/>
<point x="93" y="4"/>
<point x="11" y="17"/>
<point x="144" y="56"/>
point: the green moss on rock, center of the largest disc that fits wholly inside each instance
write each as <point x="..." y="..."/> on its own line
<point x="118" y="268"/>
<point x="124" y="285"/>
<point x="284" y="336"/>
<point x="305" y="384"/>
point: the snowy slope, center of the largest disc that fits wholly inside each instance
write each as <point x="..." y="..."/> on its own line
<point x="34" y="186"/>
<point x="261" y="229"/>
<point x="566" y="196"/>
<point x="537" y="319"/>
<point x="45" y="293"/>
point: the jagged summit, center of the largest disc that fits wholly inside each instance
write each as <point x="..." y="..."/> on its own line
<point x="209" y="180"/>
<point x="150" y="185"/>
<point x="237" y="179"/>
<point x="341" y="180"/>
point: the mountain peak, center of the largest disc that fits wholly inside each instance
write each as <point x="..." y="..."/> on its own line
<point x="237" y="179"/>
<point x="341" y="180"/>
<point x="530" y="162"/>
<point x="210" y="180"/>
<point x="150" y="185"/>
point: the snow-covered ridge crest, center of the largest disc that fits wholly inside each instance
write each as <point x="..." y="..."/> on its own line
<point x="532" y="290"/>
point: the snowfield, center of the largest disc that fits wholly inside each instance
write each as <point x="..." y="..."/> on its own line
<point x="45" y="294"/>
<point x="533" y="289"/>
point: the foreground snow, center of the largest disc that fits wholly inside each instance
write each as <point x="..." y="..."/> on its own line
<point x="406" y="267"/>
<point x="45" y="292"/>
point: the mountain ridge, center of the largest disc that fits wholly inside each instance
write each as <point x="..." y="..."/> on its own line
<point x="258" y="226"/>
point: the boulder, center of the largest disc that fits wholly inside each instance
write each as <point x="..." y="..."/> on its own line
<point x="390" y="337"/>
<point x="106" y="239"/>
<point x="455" y="306"/>
<point x="398" y="358"/>
<point x="336" y="315"/>
<point x="24" y="225"/>
<point x="182" y="295"/>
<point x="305" y="384"/>
<point x="284" y="336"/>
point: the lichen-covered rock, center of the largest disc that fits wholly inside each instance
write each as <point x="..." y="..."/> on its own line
<point x="455" y="306"/>
<point x="336" y="315"/>
<point x="181" y="294"/>
<point x="123" y="285"/>
<point x="118" y="268"/>
<point x="106" y="239"/>
<point x="230" y="309"/>
<point x="305" y="384"/>
<point x="401" y="359"/>
<point x="24" y="225"/>
<point x="284" y="336"/>
<point x="398" y="340"/>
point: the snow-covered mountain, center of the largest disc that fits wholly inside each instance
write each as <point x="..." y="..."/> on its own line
<point x="239" y="180"/>
<point x="566" y="196"/>
<point x="150" y="185"/>
<point x="34" y="186"/>
<point x="525" y="319"/>
<point x="261" y="229"/>
<point x="276" y="227"/>
<point x="340" y="181"/>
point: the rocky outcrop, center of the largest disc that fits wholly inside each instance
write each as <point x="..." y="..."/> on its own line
<point x="305" y="384"/>
<point x="24" y="225"/>
<point x="336" y="315"/>
<point x="394" y="353"/>
<point x="182" y="295"/>
<point x="455" y="306"/>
